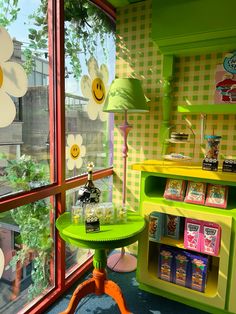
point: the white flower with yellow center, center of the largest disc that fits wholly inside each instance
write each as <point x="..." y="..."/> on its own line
<point x="74" y="151"/>
<point x="2" y="262"/>
<point x="13" y="80"/>
<point x="95" y="89"/>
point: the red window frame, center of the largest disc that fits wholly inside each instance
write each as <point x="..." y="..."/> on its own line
<point x="57" y="122"/>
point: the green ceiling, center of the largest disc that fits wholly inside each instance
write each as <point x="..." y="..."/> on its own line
<point x="122" y="3"/>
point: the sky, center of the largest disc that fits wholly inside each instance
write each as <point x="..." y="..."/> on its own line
<point x="19" y="31"/>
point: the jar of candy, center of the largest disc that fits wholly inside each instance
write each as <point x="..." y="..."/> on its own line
<point x="212" y="149"/>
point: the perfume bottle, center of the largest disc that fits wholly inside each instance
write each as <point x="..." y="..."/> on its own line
<point x="89" y="193"/>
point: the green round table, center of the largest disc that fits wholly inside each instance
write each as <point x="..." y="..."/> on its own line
<point x="109" y="237"/>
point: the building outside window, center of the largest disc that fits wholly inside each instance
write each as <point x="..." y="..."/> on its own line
<point x="39" y="177"/>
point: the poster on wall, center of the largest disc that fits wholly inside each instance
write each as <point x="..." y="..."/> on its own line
<point x="225" y="78"/>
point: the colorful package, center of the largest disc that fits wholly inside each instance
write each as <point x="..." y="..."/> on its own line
<point x="192" y="234"/>
<point x="166" y="263"/>
<point x="210" y="243"/>
<point x="195" y="193"/>
<point x="172" y="226"/>
<point x="181" y="268"/>
<point x="198" y="272"/>
<point x="217" y="195"/>
<point x="175" y="189"/>
<point x="155" y="226"/>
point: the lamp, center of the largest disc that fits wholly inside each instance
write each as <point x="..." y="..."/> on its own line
<point x="125" y="95"/>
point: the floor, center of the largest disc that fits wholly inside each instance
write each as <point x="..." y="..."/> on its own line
<point x="138" y="301"/>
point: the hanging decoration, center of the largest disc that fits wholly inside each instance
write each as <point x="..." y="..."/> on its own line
<point x="13" y="80"/>
<point x="94" y="87"/>
<point x="74" y="151"/>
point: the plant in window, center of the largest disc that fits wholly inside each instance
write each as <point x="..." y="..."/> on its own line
<point x="86" y="28"/>
<point x="34" y="223"/>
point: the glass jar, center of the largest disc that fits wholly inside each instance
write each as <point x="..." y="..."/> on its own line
<point x="212" y="149"/>
<point x="77" y="216"/>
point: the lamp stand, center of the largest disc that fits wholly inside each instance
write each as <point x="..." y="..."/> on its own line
<point x="123" y="262"/>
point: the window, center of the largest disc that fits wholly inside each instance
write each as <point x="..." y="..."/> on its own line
<point x="38" y="178"/>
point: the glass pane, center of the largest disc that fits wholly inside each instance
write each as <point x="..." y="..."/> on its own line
<point x="77" y="256"/>
<point x="26" y="254"/>
<point x="24" y="107"/>
<point x="90" y="61"/>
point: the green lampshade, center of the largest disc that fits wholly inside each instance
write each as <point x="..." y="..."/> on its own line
<point x="126" y="94"/>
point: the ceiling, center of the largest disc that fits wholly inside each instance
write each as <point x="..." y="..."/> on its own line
<point x="122" y="3"/>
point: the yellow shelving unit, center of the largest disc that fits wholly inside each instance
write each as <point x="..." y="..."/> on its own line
<point x="221" y="282"/>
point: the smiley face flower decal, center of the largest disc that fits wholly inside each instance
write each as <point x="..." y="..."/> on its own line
<point x="13" y="80"/>
<point x="74" y="151"/>
<point x="95" y="88"/>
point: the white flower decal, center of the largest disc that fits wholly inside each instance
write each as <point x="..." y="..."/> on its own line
<point x="13" y="80"/>
<point x="2" y="262"/>
<point x="95" y="88"/>
<point x="74" y="151"/>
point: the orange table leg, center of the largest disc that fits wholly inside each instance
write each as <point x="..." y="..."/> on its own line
<point x="81" y="291"/>
<point x="114" y="291"/>
<point x="98" y="284"/>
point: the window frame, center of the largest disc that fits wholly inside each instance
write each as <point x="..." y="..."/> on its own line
<point x="61" y="184"/>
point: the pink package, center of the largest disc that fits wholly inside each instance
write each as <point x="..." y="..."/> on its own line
<point x="210" y="243"/>
<point x="192" y="234"/>
<point x="175" y="189"/>
<point x="217" y="195"/>
<point x="195" y="193"/>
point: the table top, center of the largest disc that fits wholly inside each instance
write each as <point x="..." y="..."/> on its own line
<point x="109" y="237"/>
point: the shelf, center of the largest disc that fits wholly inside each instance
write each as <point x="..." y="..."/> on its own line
<point x="211" y="286"/>
<point x="179" y="243"/>
<point x="172" y="242"/>
<point x="208" y="109"/>
<point x="176" y="141"/>
<point x="154" y="175"/>
<point x="185" y="171"/>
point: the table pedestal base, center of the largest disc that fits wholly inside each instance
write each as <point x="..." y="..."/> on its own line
<point x="98" y="284"/>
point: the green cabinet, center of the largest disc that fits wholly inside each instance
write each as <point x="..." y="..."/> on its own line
<point x="193" y="26"/>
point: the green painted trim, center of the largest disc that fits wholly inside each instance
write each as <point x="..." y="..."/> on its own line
<point x="122" y="3"/>
<point x="201" y="27"/>
<point x="209" y="109"/>
<point x="167" y="75"/>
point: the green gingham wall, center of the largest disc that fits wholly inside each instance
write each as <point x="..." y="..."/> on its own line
<point x="194" y="80"/>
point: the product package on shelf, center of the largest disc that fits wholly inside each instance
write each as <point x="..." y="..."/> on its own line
<point x="192" y="234"/>
<point x="175" y="189"/>
<point x="210" y="243"/>
<point x="217" y="195"/>
<point x="155" y="227"/>
<point x="195" y="193"/>
<point x="181" y="269"/>
<point x="198" y="274"/>
<point x="173" y="226"/>
<point x="166" y="263"/>
<point x="229" y="165"/>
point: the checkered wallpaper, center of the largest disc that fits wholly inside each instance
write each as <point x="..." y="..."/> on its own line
<point x="193" y="81"/>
